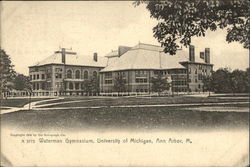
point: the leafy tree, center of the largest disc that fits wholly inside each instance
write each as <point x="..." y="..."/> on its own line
<point x="247" y="76"/>
<point x="207" y="83"/>
<point x="6" y="72"/>
<point x="221" y="81"/>
<point x="21" y="82"/>
<point x="86" y="86"/>
<point x="225" y="81"/>
<point x="94" y="85"/>
<point x="119" y="84"/>
<point x="159" y="83"/>
<point x="179" y="20"/>
<point x="238" y="81"/>
<point x="91" y="85"/>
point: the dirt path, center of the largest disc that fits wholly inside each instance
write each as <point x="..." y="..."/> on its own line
<point x="209" y="106"/>
<point x="25" y="107"/>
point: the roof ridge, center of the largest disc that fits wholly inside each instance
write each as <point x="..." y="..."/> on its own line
<point x="149" y="44"/>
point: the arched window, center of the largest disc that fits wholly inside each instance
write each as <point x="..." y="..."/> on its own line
<point x="77" y="74"/>
<point x="95" y="74"/>
<point x="70" y="85"/>
<point x="86" y="75"/>
<point x="69" y="74"/>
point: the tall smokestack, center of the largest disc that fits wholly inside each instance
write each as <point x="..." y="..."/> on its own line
<point x="191" y="53"/>
<point x="95" y="57"/>
<point x="207" y="55"/>
<point x="63" y="56"/>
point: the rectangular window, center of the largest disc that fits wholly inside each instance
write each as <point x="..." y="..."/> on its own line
<point x="108" y="75"/>
<point x="58" y="75"/>
<point x="141" y="80"/>
<point x="200" y="77"/>
<point x="108" y="82"/>
<point x="58" y="70"/>
<point x="49" y="75"/>
<point x="43" y="76"/>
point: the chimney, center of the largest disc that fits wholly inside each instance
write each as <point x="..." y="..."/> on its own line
<point x="63" y="56"/>
<point x="95" y="57"/>
<point x="202" y="55"/>
<point x="207" y="55"/>
<point x="191" y="53"/>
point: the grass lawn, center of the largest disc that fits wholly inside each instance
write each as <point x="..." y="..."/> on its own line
<point x="142" y="101"/>
<point x="176" y="118"/>
<point x="18" y="102"/>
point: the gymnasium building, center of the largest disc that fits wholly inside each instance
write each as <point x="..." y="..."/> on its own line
<point x="64" y="72"/>
<point x="138" y="64"/>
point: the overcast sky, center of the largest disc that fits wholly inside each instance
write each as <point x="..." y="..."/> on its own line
<point x="33" y="30"/>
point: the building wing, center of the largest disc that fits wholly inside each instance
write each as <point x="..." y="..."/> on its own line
<point x="74" y="59"/>
<point x="145" y="56"/>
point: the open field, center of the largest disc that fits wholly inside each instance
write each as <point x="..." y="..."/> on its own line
<point x="125" y="118"/>
<point x="116" y="113"/>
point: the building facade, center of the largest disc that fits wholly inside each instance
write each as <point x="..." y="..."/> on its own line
<point x="138" y="65"/>
<point x="65" y="73"/>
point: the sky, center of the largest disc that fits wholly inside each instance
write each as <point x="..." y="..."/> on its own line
<point x="33" y="30"/>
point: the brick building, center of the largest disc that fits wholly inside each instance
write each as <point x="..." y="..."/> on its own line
<point x="64" y="73"/>
<point x="138" y="64"/>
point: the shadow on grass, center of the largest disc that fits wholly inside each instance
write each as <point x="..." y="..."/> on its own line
<point x="124" y="119"/>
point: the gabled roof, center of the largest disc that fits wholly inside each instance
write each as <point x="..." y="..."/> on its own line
<point x="146" y="56"/>
<point x="74" y="59"/>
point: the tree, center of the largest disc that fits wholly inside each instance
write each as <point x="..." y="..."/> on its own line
<point x="6" y="72"/>
<point x="238" y="81"/>
<point x="119" y="84"/>
<point x="86" y="86"/>
<point x="179" y="20"/>
<point x="91" y="85"/>
<point x="94" y="85"/>
<point x="247" y="76"/>
<point x="221" y="81"/>
<point x="159" y="83"/>
<point x="21" y="82"/>
<point x="207" y="83"/>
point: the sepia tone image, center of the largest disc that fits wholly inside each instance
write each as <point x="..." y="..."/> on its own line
<point x="125" y="83"/>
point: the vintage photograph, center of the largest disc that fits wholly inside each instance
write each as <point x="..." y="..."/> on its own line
<point x="124" y="83"/>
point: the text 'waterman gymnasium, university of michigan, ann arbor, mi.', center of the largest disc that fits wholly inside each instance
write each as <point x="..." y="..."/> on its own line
<point x="64" y="72"/>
